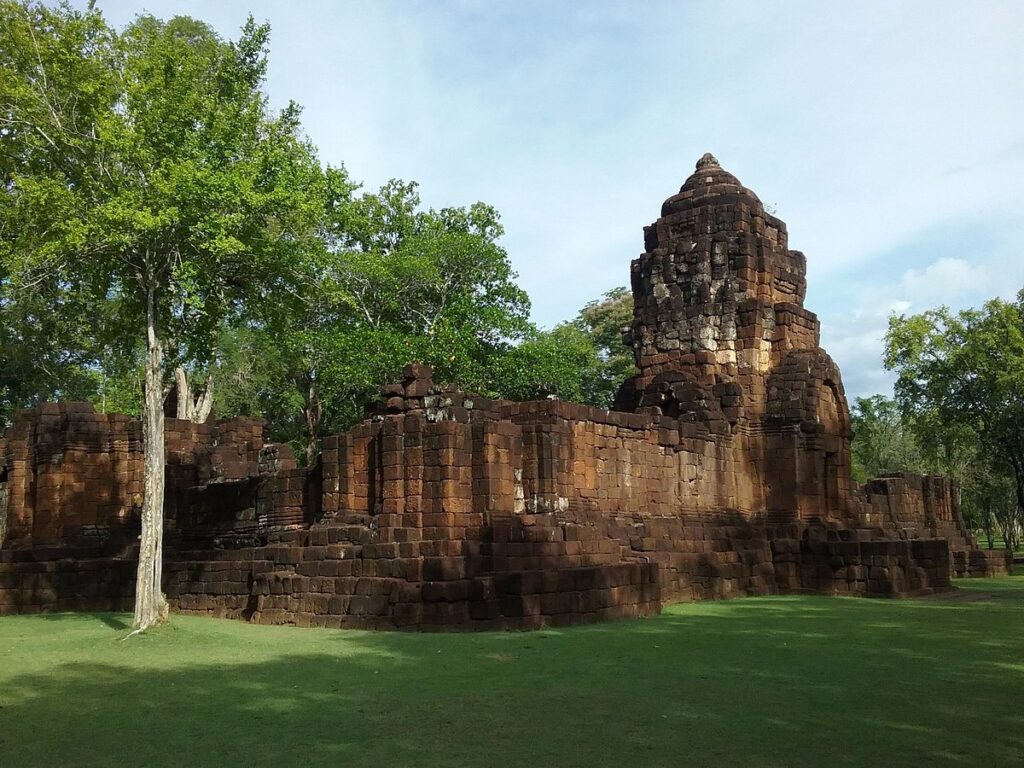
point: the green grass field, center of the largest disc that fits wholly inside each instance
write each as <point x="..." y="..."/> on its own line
<point x="785" y="681"/>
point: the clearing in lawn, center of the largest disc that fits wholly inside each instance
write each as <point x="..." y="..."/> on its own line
<point x="781" y="681"/>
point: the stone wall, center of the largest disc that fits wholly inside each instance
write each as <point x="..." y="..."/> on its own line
<point x="69" y="579"/>
<point x="69" y="473"/>
<point x="457" y="511"/>
<point x="73" y="477"/>
<point x="910" y="507"/>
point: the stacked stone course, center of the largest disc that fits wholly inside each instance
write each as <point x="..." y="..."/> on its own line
<point x="724" y="471"/>
<point x="912" y="507"/>
<point x="69" y="473"/>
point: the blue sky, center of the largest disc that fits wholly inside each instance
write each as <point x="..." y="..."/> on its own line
<point x="889" y="135"/>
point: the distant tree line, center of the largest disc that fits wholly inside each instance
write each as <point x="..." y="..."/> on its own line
<point x="958" y="411"/>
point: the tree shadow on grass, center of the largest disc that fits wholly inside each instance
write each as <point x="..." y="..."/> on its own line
<point x="112" y="620"/>
<point x="764" y="682"/>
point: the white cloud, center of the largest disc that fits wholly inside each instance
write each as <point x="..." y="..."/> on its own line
<point x="943" y="281"/>
<point x="853" y="331"/>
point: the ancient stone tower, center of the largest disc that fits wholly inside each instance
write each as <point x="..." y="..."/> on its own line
<point x="721" y="338"/>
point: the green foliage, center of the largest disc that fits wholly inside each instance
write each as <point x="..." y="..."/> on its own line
<point x="965" y="370"/>
<point x="41" y="351"/>
<point x="562" y="362"/>
<point x="603" y="321"/>
<point x="144" y="167"/>
<point x="389" y="283"/>
<point x="51" y="95"/>
<point x="884" y="441"/>
<point x="961" y="379"/>
<point x="147" y="162"/>
<point x="583" y="361"/>
<point x="437" y="279"/>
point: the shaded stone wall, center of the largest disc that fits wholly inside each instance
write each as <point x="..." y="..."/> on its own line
<point x="70" y="473"/>
<point x="4" y="503"/>
<point x="457" y="511"/>
<point x="910" y="507"/>
<point x="73" y="477"/>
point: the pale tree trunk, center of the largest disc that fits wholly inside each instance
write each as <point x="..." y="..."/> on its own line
<point x="150" y="604"/>
<point x="1015" y="516"/>
<point x="313" y="415"/>
<point x="988" y="525"/>
<point x="190" y="407"/>
<point x="1019" y="521"/>
<point x="204" y="405"/>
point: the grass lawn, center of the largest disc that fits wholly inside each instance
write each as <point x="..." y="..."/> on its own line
<point x="784" y="681"/>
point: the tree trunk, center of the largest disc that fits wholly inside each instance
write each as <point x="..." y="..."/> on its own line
<point x="150" y="604"/>
<point x="1019" y="515"/>
<point x="204" y="405"/>
<point x="1011" y="537"/>
<point x="194" y="409"/>
<point x="183" y="392"/>
<point x="313" y="413"/>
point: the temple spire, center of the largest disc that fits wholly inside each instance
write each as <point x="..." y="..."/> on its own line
<point x="707" y="161"/>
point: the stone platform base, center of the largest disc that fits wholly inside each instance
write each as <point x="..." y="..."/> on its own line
<point x="365" y="586"/>
<point x="983" y="562"/>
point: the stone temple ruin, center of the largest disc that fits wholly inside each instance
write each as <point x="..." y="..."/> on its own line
<point x="723" y="470"/>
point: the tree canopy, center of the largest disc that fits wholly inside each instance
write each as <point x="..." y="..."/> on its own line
<point x="146" y="162"/>
<point x="960" y="381"/>
<point x="604" y="320"/>
<point x="147" y="183"/>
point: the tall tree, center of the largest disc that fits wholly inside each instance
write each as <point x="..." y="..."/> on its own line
<point x="603" y="320"/>
<point x="964" y="372"/>
<point x="145" y="169"/>
<point x="884" y="440"/>
<point x="438" y="279"/>
<point x="395" y="283"/>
